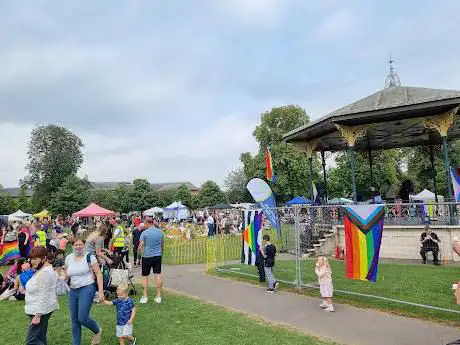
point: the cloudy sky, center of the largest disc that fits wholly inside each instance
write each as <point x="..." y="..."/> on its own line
<point x="171" y="90"/>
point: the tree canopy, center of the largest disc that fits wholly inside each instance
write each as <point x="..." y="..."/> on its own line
<point x="235" y="186"/>
<point x="73" y="195"/>
<point x="53" y="153"/>
<point x="183" y="195"/>
<point x="210" y="195"/>
<point x="290" y="163"/>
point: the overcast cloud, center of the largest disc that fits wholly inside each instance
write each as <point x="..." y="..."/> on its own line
<point x="173" y="91"/>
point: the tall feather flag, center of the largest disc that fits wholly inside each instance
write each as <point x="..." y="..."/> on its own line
<point x="363" y="236"/>
<point x="455" y="176"/>
<point x="269" y="163"/>
<point x="251" y="237"/>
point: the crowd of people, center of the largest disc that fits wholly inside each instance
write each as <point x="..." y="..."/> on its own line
<point x="41" y="271"/>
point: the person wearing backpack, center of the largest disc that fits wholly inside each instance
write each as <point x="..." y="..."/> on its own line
<point x="82" y="268"/>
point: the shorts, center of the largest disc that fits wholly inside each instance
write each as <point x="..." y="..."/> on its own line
<point x="124" y="331"/>
<point x="326" y="290"/>
<point x="153" y="263"/>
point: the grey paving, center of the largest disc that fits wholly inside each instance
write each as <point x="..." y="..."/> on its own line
<point x="348" y="325"/>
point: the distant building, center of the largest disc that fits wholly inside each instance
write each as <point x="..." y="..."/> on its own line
<point x="160" y="187"/>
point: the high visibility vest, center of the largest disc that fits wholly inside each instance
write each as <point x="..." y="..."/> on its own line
<point x="119" y="241"/>
<point x="41" y="241"/>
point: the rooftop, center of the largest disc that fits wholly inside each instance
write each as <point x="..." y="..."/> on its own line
<point x="14" y="192"/>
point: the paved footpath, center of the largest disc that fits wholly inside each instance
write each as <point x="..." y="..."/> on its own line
<point x="347" y="325"/>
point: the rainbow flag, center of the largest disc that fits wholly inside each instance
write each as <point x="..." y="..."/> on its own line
<point x="268" y="162"/>
<point x="455" y="175"/>
<point x="363" y="236"/>
<point x="251" y="237"/>
<point x="9" y="251"/>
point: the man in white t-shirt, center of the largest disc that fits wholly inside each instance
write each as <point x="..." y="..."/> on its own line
<point x="210" y="223"/>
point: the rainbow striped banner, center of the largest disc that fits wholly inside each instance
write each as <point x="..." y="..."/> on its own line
<point x="251" y="237"/>
<point x="363" y="236"/>
<point x="9" y="251"/>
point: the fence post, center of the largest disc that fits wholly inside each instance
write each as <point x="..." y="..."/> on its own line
<point x="298" y="278"/>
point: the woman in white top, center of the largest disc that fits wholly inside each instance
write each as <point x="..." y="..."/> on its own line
<point x="40" y="298"/>
<point x="81" y="268"/>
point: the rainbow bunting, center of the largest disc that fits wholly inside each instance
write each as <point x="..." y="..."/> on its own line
<point x="268" y="162"/>
<point x="363" y="236"/>
<point x="251" y="237"/>
<point x="9" y="251"/>
<point x="455" y="175"/>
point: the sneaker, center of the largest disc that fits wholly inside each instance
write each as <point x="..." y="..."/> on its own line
<point x="329" y="308"/>
<point x="277" y="285"/>
<point x="323" y="305"/>
<point x="133" y="342"/>
<point x="270" y="290"/>
<point x="144" y="300"/>
<point x="157" y="300"/>
<point x="437" y="263"/>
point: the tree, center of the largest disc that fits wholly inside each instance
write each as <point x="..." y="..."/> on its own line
<point x="104" y="198"/>
<point x="277" y="122"/>
<point x="166" y="197"/>
<point x="73" y="195"/>
<point x="7" y="202"/>
<point x="210" y="194"/>
<point x="54" y="153"/>
<point x="122" y="203"/>
<point x="23" y="201"/>
<point x="142" y="196"/>
<point x="235" y="186"/>
<point x="386" y="166"/>
<point x="291" y="164"/>
<point x="183" y="195"/>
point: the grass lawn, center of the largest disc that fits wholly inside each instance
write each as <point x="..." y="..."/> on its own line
<point x="425" y="284"/>
<point x="179" y="320"/>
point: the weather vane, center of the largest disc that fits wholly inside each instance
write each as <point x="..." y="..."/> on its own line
<point x="392" y="78"/>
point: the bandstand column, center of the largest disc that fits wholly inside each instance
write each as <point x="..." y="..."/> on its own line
<point x="442" y="123"/>
<point x="351" y="134"/>
<point x="323" y="161"/>
<point x="310" y="150"/>
<point x="433" y="171"/>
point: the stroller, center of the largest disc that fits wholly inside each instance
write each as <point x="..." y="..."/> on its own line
<point x="116" y="273"/>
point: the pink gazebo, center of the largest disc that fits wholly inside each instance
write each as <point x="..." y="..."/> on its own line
<point x="93" y="210"/>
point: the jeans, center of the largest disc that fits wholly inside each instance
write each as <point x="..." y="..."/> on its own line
<point x="435" y="252"/>
<point x="80" y="302"/>
<point x="210" y="230"/>
<point x="36" y="334"/>
<point x="270" y="277"/>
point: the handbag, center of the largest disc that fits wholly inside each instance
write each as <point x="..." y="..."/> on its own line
<point x="119" y="276"/>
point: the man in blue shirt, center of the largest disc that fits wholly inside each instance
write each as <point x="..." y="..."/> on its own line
<point x="151" y="248"/>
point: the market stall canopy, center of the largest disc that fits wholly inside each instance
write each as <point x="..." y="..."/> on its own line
<point x="152" y="211"/>
<point x="176" y="211"/>
<point x="93" y="210"/>
<point x="18" y="216"/>
<point x="339" y="201"/>
<point x="425" y="196"/>
<point x="42" y="215"/>
<point x="299" y="200"/>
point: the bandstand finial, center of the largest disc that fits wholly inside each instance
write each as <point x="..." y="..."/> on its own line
<point x="392" y="78"/>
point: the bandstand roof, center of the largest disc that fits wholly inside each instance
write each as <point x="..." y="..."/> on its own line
<point x="395" y="115"/>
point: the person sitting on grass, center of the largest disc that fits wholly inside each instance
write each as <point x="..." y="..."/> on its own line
<point x="21" y="281"/>
<point x="126" y="312"/>
<point x="430" y="243"/>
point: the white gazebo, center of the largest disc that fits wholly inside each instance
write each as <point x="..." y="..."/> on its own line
<point x="176" y="211"/>
<point x="153" y="211"/>
<point x="426" y="196"/>
<point x="19" y="216"/>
